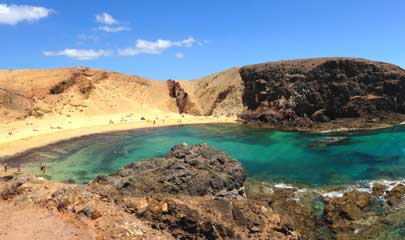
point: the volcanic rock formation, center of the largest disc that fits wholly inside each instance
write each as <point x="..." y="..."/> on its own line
<point x="183" y="101"/>
<point x="193" y="170"/>
<point x="299" y="93"/>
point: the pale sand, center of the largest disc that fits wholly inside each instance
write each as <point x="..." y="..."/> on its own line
<point x="33" y="133"/>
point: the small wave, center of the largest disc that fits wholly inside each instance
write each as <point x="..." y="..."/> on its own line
<point x="283" y="185"/>
<point x="332" y="194"/>
<point x="361" y="186"/>
<point x="364" y="186"/>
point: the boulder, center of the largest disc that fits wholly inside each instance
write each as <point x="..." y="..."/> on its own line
<point x="340" y="212"/>
<point x="90" y="212"/>
<point x="379" y="189"/>
<point x="192" y="170"/>
<point x="395" y="195"/>
<point x="183" y="221"/>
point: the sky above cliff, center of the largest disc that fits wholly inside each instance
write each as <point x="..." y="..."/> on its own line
<point x="190" y="39"/>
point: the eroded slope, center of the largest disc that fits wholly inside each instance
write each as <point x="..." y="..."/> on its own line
<point x="78" y="91"/>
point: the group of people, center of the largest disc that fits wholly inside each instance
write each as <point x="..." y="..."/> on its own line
<point x="42" y="167"/>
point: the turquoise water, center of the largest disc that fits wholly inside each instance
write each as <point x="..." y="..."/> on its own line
<point x="278" y="156"/>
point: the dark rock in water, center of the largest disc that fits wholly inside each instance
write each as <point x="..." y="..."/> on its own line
<point x="395" y="195"/>
<point x="193" y="170"/>
<point x="332" y="140"/>
<point x="90" y="212"/>
<point x="299" y="93"/>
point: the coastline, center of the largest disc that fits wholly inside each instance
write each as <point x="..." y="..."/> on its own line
<point x="24" y="137"/>
<point x="33" y="133"/>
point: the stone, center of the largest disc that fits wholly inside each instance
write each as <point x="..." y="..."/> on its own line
<point x="183" y="221"/>
<point x="343" y="214"/>
<point x="90" y="212"/>
<point x="238" y="216"/>
<point x="320" y="116"/>
<point x="378" y="189"/>
<point x="395" y="195"/>
<point x="194" y="170"/>
<point x="332" y="140"/>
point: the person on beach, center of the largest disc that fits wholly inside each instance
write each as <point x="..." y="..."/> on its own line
<point x="154" y="122"/>
<point x="5" y="167"/>
<point x="19" y="168"/>
<point x="43" y="168"/>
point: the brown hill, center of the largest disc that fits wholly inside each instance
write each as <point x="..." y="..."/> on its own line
<point x="78" y="91"/>
<point x="296" y="93"/>
<point x="216" y="94"/>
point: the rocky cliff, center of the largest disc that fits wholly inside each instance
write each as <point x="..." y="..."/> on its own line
<point x="301" y="93"/>
<point x="183" y="101"/>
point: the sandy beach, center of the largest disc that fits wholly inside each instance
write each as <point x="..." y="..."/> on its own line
<point x="31" y="133"/>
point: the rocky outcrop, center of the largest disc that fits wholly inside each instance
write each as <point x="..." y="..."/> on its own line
<point x="301" y="93"/>
<point x="194" y="192"/>
<point x="183" y="101"/>
<point x="183" y="221"/>
<point x="396" y="195"/>
<point x="195" y="170"/>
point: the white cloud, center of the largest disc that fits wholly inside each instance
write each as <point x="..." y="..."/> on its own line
<point x="179" y="55"/>
<point x="113" y="29"/>
<point x="109" y="24"/>
<point x="79" y="54"/>
<point x="13" y="14"/>
<point x="141" y="47"/>
<point x="105" y="18"/>
<point x="156" y="47"/>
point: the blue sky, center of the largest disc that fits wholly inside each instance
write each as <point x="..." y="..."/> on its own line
<point x="190" y="39"/>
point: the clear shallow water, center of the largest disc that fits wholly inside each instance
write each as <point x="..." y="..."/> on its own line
<point x="279" y="156"/>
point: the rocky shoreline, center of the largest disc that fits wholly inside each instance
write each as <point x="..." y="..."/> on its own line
<point x="197" y="192"/>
